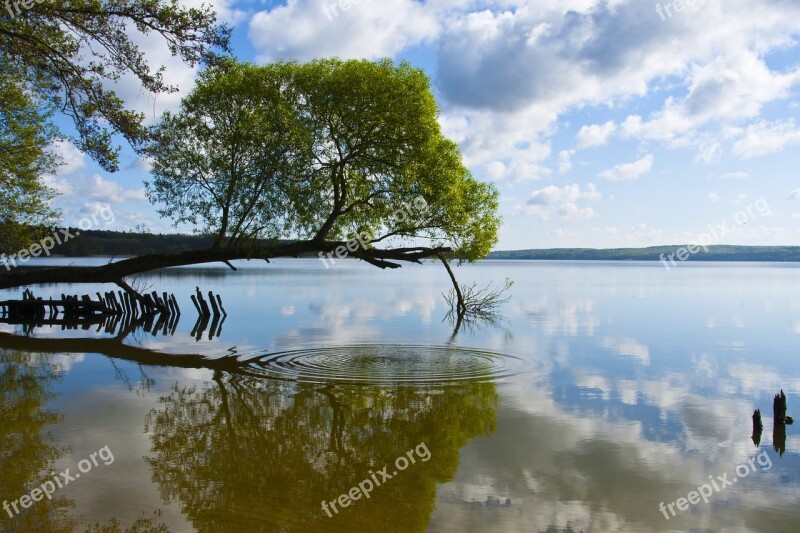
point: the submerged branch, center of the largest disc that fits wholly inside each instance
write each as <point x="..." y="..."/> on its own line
<point x="117" y="272"/>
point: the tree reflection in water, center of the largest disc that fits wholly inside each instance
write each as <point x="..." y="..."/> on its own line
<point x="27" y="452"/>
<point x="246" y="454"/>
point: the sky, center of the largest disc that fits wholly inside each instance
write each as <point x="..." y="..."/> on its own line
<point x="603" y="123"/>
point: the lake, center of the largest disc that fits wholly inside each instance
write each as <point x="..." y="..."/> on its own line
<point x="610" y="397"/>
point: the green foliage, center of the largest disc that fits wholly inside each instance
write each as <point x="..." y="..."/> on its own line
<point x="63" y="56"/>
<point x="66" y="52"/>
<point x="320" y="151"/>
<point x="25" y="134"/>
<point x="227" y="159"/>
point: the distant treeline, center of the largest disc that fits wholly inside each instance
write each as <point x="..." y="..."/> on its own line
<point x="657" y="253"/>
<point x="108" y="243"/>
<point x="111" y="243"/>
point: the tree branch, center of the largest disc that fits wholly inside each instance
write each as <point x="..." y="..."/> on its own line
<point x="116" y="272"/>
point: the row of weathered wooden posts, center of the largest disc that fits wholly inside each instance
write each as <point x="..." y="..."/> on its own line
<point x="213" y="314"/>
<point x="112" y="312"/>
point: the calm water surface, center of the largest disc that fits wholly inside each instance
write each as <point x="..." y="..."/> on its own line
<point x="608" y="389"/>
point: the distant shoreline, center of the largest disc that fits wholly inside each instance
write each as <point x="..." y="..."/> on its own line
<point x="771" y="254"/>
<point x="132" y="244"/>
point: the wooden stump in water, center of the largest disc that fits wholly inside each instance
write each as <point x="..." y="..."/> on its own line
<point x="779" y="407"/>
<point x="758" y="427"/>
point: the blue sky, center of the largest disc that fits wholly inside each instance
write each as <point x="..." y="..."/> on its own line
<point x="603" y="123"/>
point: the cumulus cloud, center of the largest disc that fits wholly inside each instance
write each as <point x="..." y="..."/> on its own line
<point x="96" y="188"/>
<point x="540" y="61"/>
<point x="643" y="235"/>
<point x="724" y="90"/>
<point x="764" y="138"/>
<point x="563" y="233"/>
<point x="562" y="202"/>
<point x="596" y="134"/>
<point x="629" y="171"/>
<point x="610" y="230"/>
<point x="565" y="161"/>
<point x="307" y="29"/>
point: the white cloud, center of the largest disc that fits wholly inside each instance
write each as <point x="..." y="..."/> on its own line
<point x="508" y="70"/>
<point x="224" y="9"/>
<point x="96" y="188"/>
<point x="495" y="170"/>
<point x="764" y="138"/>
<point x="562" y="202"/>
<point x="735" y="176"/>
<point x="629" y="171"/>
<point x="71" y="159"/>
<point x="304" y="29"/>
<point x="727" y="88"/>
<point x="610" y="230"/>
<point x="795" y="194"/>
<point x="565" y="161"/>
<point x="713" y="197"/>
<point x="596" y="134"/>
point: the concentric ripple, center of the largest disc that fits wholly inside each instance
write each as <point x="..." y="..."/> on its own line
<point x="387" y="363"/>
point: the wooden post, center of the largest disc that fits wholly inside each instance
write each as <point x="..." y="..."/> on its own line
<point x="779" y="407"/>
<point x="197" y="305"/>
<point x="213" y="305"/>
<point x="203" y="305"/>
<point x="219" y="301"/>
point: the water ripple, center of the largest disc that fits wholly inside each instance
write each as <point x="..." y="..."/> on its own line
<point x="388" y="364"/>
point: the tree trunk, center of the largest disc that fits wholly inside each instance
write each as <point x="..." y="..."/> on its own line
<point x="460" y="305"/>
<point x="116" y="272"/>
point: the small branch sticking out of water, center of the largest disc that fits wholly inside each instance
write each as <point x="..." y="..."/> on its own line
<point x="479" y="303"/>
<point x="470" y="304"/>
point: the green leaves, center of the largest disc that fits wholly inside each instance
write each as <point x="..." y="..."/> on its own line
<point x="67" y="52"/>
<point x="227" y="159"/>
<point x="61" y="57"/>
<point x="320" y="151"/>
<point x="25" y="134"/>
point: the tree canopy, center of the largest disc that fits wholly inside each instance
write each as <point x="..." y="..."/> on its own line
<point x="290" y="159"/>
<point x="320" y="152"/>
<point x="24" y="138"/>
<point x="63" y="58"/>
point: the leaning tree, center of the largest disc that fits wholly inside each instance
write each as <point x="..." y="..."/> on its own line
<point x="291" y="159"/>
